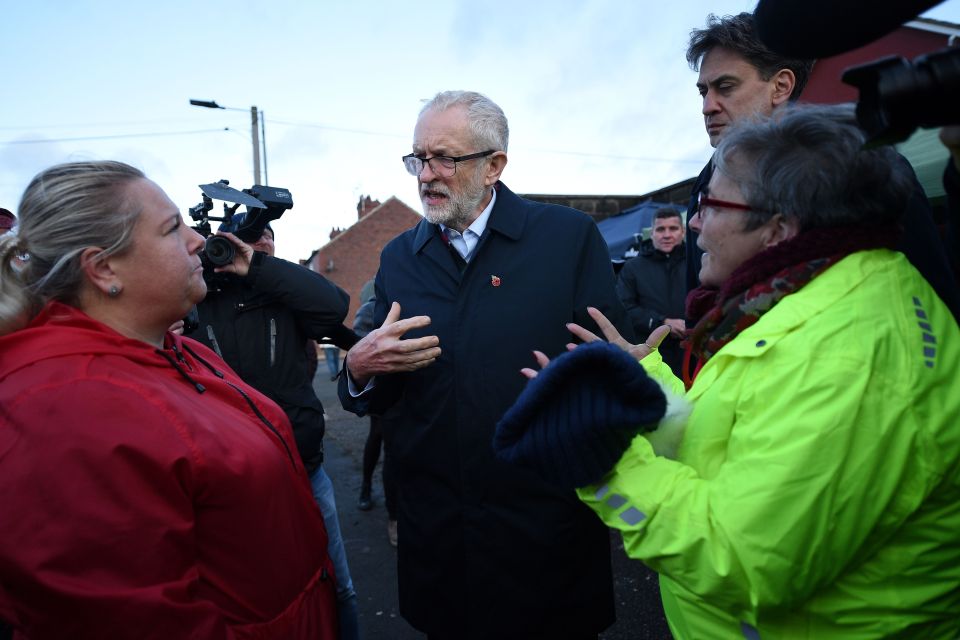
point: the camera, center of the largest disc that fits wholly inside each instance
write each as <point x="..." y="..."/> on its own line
<point x="897" y="96"/>
<point x="263" y="204"/>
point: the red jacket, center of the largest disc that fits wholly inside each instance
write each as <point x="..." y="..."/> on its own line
<point x="144" y="495"/>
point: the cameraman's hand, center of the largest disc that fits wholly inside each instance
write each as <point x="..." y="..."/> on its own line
<point x="383" y="350"/>
<point x="241" y="261"/>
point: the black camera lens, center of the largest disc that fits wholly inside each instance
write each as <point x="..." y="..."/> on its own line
<point x="218" y="251"/>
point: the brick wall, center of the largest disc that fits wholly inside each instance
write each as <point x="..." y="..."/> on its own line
<point x="602" y="207"/>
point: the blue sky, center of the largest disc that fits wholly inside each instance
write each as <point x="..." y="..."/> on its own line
<point x="599" y="97"/>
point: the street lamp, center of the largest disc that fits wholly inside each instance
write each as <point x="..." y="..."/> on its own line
<point x="258" y="134"/>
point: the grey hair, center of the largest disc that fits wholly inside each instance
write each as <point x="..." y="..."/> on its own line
<point x="738" y="35"/>
<point x="488" y="124"/>
<point x="808" y="163"/>
<point x="65" y="209"/>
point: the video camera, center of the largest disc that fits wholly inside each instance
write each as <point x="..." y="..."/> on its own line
<point x="263" y="204"/>
<point x="897" y="96"/>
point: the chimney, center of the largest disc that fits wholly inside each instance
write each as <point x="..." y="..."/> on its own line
<point x="366" y="205"/>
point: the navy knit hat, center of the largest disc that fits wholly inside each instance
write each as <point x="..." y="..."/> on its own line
<point x="573" y="422"/>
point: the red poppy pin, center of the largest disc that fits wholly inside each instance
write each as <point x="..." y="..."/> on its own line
<point x="495" y="281"/>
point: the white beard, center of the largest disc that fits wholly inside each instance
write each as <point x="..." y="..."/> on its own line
<point x="459" y="207"/>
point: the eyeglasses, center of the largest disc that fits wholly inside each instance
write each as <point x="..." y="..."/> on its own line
<point x="443" y="166"/>
<point x="705" y="201"/>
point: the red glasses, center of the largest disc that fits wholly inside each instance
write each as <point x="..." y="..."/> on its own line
<point x="705" y="201"/>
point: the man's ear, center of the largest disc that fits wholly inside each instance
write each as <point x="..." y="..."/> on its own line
<point x="783" y="81"/>
<point x="495" y="167"/>
<point x="779" y="228"/>
<point x="98" y="270"/>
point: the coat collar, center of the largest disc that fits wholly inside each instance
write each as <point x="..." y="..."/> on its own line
<point x="508" y="218"/>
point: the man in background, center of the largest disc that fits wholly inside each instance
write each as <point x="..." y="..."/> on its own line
<point x="739" y="78"/>
<point x="653" y="288"/>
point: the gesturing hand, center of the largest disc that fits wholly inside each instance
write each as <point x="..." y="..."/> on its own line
<point x="384" y="350"/>
<point x="638" y="351"/>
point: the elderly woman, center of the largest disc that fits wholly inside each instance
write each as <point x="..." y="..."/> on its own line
<point x="146" y="490"/>
<point x="816" y="492"/>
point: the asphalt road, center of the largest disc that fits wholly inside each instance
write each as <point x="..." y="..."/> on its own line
<point x="373" y="562"/>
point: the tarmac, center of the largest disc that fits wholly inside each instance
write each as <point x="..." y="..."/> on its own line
<point x="373" y="561"/>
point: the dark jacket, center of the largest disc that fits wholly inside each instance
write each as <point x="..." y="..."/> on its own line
<point x="487" y="550"/>
<point x="694" y="252"/>
<point x="652" y="287"/>
<point x="951" y="184"/>
<point x="260" y="325"/>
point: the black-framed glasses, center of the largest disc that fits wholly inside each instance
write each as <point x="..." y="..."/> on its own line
<point x="706" y="201"/>
<point x="443" y="166"/>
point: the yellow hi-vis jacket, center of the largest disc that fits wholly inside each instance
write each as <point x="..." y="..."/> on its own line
<point x="816" y="492"/>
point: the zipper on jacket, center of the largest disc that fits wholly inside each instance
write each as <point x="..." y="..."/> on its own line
<point x="264" y="420"/>
<point x="213" y="340"/>
<point x="273" y="341"/>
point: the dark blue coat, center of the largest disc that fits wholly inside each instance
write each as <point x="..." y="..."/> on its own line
<point x="488" y="550"/>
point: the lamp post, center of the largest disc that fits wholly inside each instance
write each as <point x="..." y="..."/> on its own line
<point x="258" y="133"/>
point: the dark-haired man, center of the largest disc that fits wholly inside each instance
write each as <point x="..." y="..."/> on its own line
<point x="741" y="78"/>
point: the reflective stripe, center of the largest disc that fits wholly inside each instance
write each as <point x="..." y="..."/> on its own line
<point x="615" y="501"/>
<point x="602" y="491"/>
<point x="633" y="516"/>
<point x="929" y="338"/>
<point x="749" y="632"/>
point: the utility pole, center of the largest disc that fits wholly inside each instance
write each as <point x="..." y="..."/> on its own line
<point x="256" y="145"/>
<point x="258" y="132"/>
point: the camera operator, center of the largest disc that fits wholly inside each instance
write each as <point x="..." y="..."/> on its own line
<point x="258" y="314"/>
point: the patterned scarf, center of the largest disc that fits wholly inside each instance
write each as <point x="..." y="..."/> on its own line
<point x="758" y="284"/>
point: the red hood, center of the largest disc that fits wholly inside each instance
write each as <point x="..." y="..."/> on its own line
<point x="62" y="330"/>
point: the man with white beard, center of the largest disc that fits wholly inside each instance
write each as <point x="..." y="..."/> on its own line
<point x="486" y="549"/>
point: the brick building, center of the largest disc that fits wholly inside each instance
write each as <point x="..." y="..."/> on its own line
<point x="352" y="256"/>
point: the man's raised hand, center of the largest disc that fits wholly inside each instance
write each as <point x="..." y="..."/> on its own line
<point x="384" y="351"/>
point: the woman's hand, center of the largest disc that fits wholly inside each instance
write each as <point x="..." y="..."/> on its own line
<point x="638" y="351"/>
